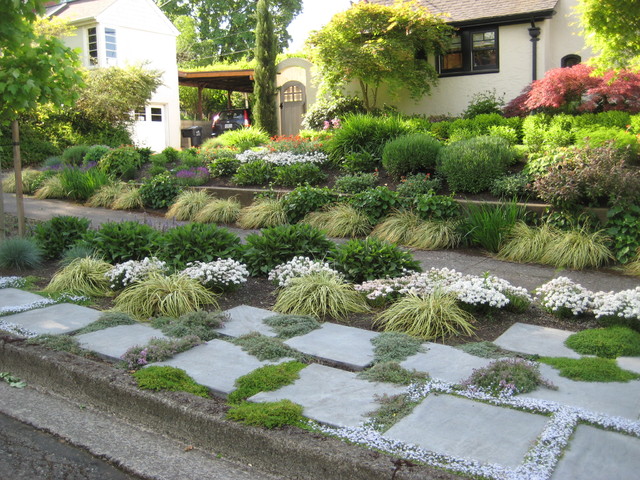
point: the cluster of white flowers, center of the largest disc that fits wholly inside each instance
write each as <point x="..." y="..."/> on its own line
<point x="282" y="274"/>
<point x="17" y="330"/>
<point x="470" y="289"/>
<point x="562" y="295"/>
<point x="124" y="274"/>
<point x="221" y="274"/>
<point x="12" y="282"/>
<point x="624" y="304"/>
<point x="281" y="158"/>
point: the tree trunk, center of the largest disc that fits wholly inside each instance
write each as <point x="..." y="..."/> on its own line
<point x="17" y="166"/>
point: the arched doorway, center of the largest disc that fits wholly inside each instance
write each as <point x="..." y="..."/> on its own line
<point x="293" y="106"/>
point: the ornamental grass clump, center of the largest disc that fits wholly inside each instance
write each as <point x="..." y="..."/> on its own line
<point x="219" y="210"/>
<point x="51" y="188"/>
<point x="106" y="195"/>
<point x="321" y="295"/>
<point x="263" y="213"/>
<point x="220" y="276"/>
<point x="430" y="317"/>
<point x="160" y="295"/>
<point x="578" y="249"/>
<point x="398" y="227"/>
<point x="525" y="244"/>
<point x="435" y="235"/>
<point x="83" y="276"/>
<point x="187" y="205"/>
<point x="341" y="221"/>
<point x="297" y="267"/>
<point x="128" y="199"/>
<point x="20" y="254"/>
<point x="565" y="298"/>
<point x="488" y="225"/>
<point x="507" y="376"/>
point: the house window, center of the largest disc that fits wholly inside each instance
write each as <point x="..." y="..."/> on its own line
<point x="93" y="46"/>
<point x="156" y="114"/>
<point x="471" y="51"/>
<point x="140" y="114"/>
<point x="570" y="60"/>
<point x="110" y="42"/>
<point x="293" y="94"/>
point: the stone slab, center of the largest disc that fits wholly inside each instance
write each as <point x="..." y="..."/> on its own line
<point x="216" y="364"/>
<point x="338" y="344"/>
<point x="445" y="363"/>
<point x="13" y="297"/>
<point x="629" y="363"/>
<point x="613" y="398"/>
<point x="595" y="453"/>
<point x="244" y="319"/>
<point x="463" y="428"/>
<point x="56" y="319"/>
<point x="332" y="396"/>
<point x="535" y="340"/>
<point x="115" y="341"/>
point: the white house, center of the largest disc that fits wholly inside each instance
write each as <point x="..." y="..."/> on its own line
<point x="127" y="32"/>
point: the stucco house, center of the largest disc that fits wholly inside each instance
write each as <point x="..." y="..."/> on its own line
<point x="127" y="32"/>
<point x="499" y="45"/>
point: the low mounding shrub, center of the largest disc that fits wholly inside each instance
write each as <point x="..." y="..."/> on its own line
<point x="119" y="242"/>
<point x="355" y="183"/>
<point x="197" y="242"/>
<point x="299" y="174"/>
<point x="418" y="184"/>
<point x="512" y="186"/>
<point x="172" y="379"/>
<point x="392" y="372"/>
<point x="369" y="259"/>
<point x="244" y="138"/>
<point x="588" y="369"/>
<point x="436" y="207"/>
<point x="288" y="326"/>
<point x="224" y="163"/>
<point x="200" y="324"/>
<point x="95" y="153"/>
<point x="83" y="276"/>
<point x="160" y="191"/>
<point x="473" y="165"/>
<point x="277" y="245"/>
<point x="376" y="203"/>
<point x="508" y="375"/>
<point x="20" y="253"/>
<point x="74" y="155"/>
<point x="121" y="162"/>
<point x="265" y="379"/>
<point x="263" y="213"/>
<point x="412" y="153"/>
<point x="303" y="200"/>
<point x="623" y="227"/>
<point x="58" y="234"/>
<point x="257" y="172"/>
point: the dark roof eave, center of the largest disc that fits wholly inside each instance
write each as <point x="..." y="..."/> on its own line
<point x="506" y="19"/>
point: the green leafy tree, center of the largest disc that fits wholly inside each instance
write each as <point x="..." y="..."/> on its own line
<point x="265" y="71"/>
<point x="378" y="44"/>
<point x="612" y="29"/>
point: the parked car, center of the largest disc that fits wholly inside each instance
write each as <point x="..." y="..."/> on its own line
<point x="230" y="120"/>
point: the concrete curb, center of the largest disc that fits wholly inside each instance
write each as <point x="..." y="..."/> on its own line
<point x="291" y="453"/>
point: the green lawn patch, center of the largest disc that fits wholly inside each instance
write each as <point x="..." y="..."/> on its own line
<point x="609" y="342"/>
<point x="268" y="414"/>
<point x="590" y="369"/>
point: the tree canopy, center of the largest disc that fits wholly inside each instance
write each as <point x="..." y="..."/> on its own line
<point x="612" y="29"/>
<point x="377" y="44"/>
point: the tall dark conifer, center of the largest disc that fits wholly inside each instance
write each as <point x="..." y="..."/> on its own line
<point x="264" y="111"/>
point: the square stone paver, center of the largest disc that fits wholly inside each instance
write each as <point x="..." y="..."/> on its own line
<point x="629" y="363"/>
<point x="599" y="454"/>
<point x="115" y="341"/>
<point x="463" y="428"/>
<point x="13" y="297"/>
<point x="332" y="396"/>
<point x="56" y="319"/>
<point x="339" y="344"/>
<point x="217" y="364"/>
<point x="535" y="340"/>
<point x="244" y="319"/>
<point x="445" y="363"/>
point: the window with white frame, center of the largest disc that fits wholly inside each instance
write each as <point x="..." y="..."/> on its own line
<point x="471" y="51"/>
<point x="110" y="44"/>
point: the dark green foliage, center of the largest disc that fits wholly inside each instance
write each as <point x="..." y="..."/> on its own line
<point x="79" y="184"/>
<point x="267" y="414"/>
<point x="327" y="108"/>
<point x="169" y="378"/>
<point x="393" y="409"/>
<point x="484" y="103"/>
<point x="511" y="186"/>
<point x="20" y="254"/>
<point x="472" y="165"/>
<point x="299" y="174"/>
<point x="392" y="372"/>
<point x="303" y="200"/>
<point x="356" y="162"/>
<point x="264" y="108"/>
<point x="203" y="242"/>
<point x="277" y="245"/>
<point x="590" y="369"/>
<point x="369" y="259"/>
<point x="265" y="379"/>
<point x="440" y="130"/>
<point x="82" y="249"/>
<point x="171" y="155"/>
<point x="74" y="155"/>
<point x="160" y="191"/>
<point x="487" y="225"/>
<point x="107" y="320"/>
<point x="288" y="326"/>
<point x="59" y="233"/>
<point x="623" y="227"/>
<point x="412" y="153"/>
<point x="121" y="162"/>
<point x="119" y="242"/>
<point x="95" y="153"/>
<point x="418" y="184"/>
<point x="395" y="347"/>
<point x="267" y="348"/>
<point x="515" y="374"/>
<point x="190" y="158"/>
<point x="612" y="342"/>
<point x="355" y="183"/>
<point x="436" y="207"/>
<point x="224" y="163"/>
<point x="200" y="324"/>
<point x="376" y="203"/>
<point x="257" y="172"/>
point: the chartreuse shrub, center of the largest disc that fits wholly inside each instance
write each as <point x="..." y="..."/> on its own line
<point x="200" y="324"/>
<point x="321" y="295"/>
<point x="244" y="138"/>
<point x="355" y="183"/>
<point x="508" y="374"/>
<point x="369" y="259"/>
<point x="57" y="234"/>
<point x="267" y="414"/>
<point x="219" y="210"/>
<point x="106" y="195"/>
<point x="609" y="342"/>
<point x="160" y="191"/>
<point x="263" y="213"/>
<point x="472" y="165"/>
<point x="197" y="242"/>
<point x="392" y="372"/>
<point x="430" y="317"/>
<point x="119" y="242"/>
<point x="159" y="295"/>
<point x="376" y="203"/>
<point x="188" y="204"/>
<point x="340" y="220"/>
<point x="488" y="224"/>
<point x="168" y="378"/>
<point x="267" y="348"/>
<point x="277" y="245"/>
<point x="20" y="254"/>
<point x="412" y="153"/>
<point x="303" y="200"/>
<point x="288" y="326"/>
<point x="589" y="369"/>
<point x="83" y="276"/>
<point x="265" y="379"/>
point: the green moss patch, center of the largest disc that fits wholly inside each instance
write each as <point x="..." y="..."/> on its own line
<point x="265" y="379"/>
<point x="288" y="326"/>
<point x="267" y="348"/>
<point x="268" y="415"/>
<point x="609" y="342"/>
<point x="395" y="347"/>
<point x="169" y="378"/>
<point x="392" y="372"/>
<point x="590" y="369"/>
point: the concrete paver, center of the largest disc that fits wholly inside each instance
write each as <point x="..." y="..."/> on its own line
<point x="464" y="428"/>
<point x="532" y="339"/>
<point x="331" y="396"/>
<point x="13" y="297"/>
<point x="60" y="318"/>
<point x="115" y="341"/>
<point x="629" y="363"/>
<point x="244" y="319"/>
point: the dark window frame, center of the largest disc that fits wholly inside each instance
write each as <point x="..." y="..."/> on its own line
<point x="467" y="51"/>
<point x="92" y="50"/>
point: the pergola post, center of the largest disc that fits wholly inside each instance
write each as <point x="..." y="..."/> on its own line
<point x="199" y="104"/>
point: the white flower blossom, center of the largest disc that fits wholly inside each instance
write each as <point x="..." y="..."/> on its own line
<point x="299" y="266"/>
<point x="562" y="295"/>
<point x="124" y="274"/>
<point x="12" y="282"/>
<point x="281" y="158"/>
<point x="624" y="304"/>
<point x="221" y="274"/>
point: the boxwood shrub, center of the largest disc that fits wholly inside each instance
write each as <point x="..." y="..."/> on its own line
<point x="412" y="153"/>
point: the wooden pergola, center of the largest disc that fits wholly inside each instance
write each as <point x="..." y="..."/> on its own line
<point x="229" y="80"/>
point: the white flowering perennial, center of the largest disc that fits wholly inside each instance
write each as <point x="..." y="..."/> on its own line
<point x="12" y="282"/>
<point x="281" y="158"/>
<point x="297" y="267"/>
<point x="124" y="274"/>
<point x="624" y="304"/>
<point x="470" y="289"/>
<point x="222" y="274"/>
<point x="562" y="295"/>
